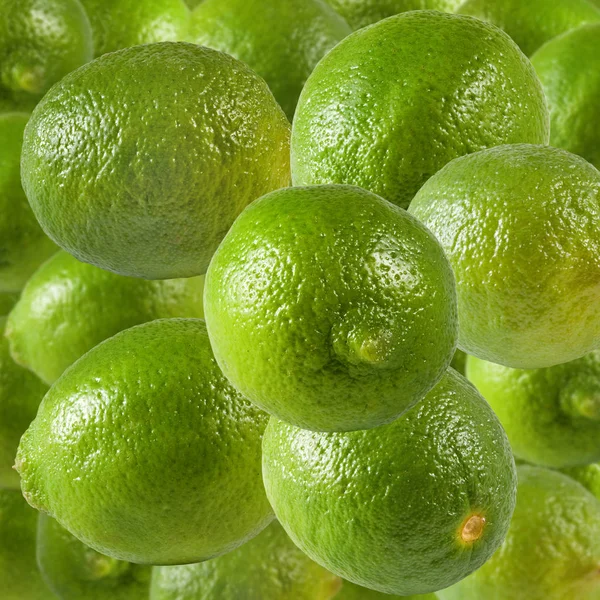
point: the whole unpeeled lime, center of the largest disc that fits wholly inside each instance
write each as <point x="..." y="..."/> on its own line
<point x="351" y="591"/>
<point x="406" y="508"/>
<point x="144" y="451"/>
<point x="393" y="103"/>
<point x="140" y="161"/>
<point x="519" y="225"/>
<point x="330" y="307"/>
<point x="587" y="475"/>
<point x="68" y="307"/>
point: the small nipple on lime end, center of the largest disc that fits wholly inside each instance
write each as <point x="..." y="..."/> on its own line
<point x="472" y="529"/>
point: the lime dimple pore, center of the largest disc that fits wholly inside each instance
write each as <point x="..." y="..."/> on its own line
<point x="140" y="161"/>
<point x="390" y="105"/>
<point x="407" y="508"/>
<point x="68" y="307"/>
<point x="519" y="225"/>
<point x="330" y="307"/>
<point x="144" y="451"/>
<point x="281" y="41"/>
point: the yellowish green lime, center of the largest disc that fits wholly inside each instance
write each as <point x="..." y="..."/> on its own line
<point x="587" y="475"/>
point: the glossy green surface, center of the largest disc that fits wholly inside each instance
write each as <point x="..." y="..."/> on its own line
<point x="351" y="591"/>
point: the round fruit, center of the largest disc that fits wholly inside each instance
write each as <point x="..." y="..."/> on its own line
<point x="120" y="24"/>
<point x="330" y="308"/>
<point x="351" y="591"/>
<point x="75" y="572"/>
<point x="269" y="567"/>
<point x="40" y="42"/>
<point x="140" y="161"/>
<point x="390" y="105"/>
<point x="552" y="549"/>
<point x="144" y="451"/>
<point x="520" y="227"/>
<point x="588" y="476"/>
<point x="283" y="45"/>
<point x="68" y="307"/>
<point x="7" y="301"/>
<point x="531" y="24"/>
<point x="23" y="244"/>
<point x="407" y="508"/>
<point x="569" y="69"/>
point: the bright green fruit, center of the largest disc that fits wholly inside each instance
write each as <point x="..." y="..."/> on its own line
<point x="20" y="395"/>
<point x="281" y="41"/>
<point x="393" y="103"/>
<point x="520" y="227"/>
<point x="144" y="451"/>
<point x="330" y="308"/>
<point x="40" y="42"/>
<point x="75" y="572"/>
<point x="19" y="575"/>
<point x="588" y="476"/>
<point x="531" y="24"/>
<point x="552" y="550"/>
<point x="23" y="244"/>
<point x="140" y="161"/>
<point x="269" y="567"/>
<point x="7" y="301"/>
<point x="120" y="24"/>
<point x="68" y="307"/>
<point x="569" y="69"/>
<point x="407" y="508"/>
<point x="351" y="591"/>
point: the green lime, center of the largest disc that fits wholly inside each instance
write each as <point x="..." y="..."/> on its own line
<point x="531" y="24"/>
<point x="140" y="161"/>
<point x="520" y="227"/>
<point x="23" y="245"/>
<point x="281" y="41"/>
<point x="587" y="475"/>
<point x="75" y="572"/>
<point x="144" y="452"/>
<point x="68" y="307"/>
<point x="120" y="24"/>
<point x="407" y="508"/>
<point x="7" y="301"/>
<point x="351" y="591"/>
<point x="391" y="104"/>
<point x="330" y="308"/>
<point x="459" y="361"/>
<point x="19" y="575"/>
<point x="269" y="567"/>
<point x="552" y="550"/>
<point x="569" y="69"/>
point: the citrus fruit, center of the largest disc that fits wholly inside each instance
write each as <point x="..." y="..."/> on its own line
<point x="19" y="575"/>
<point x="551" y="415"/>
<point x="144" y="452"/>
<point x="531" y="24"/>
<point x="459" y="361"/>
<point x="40" y="42"/>
<point x="75" y="572"/>
<point x="268" y="567"/>
<point x="519" y="225"/>
<point x="587" y="475"/>
<point x="20" y="395"/>
<point x="7" y="301"/>
<point x="120" y="24"/>
<point x="68" y="307"/>
<point x="330" y="307"/>
<point x="140" y="161"/>
<point x="351" y="591"/>
<point x="23" y="244"/>
<point x="406" y="508"/>
<point x="282" y="45"/>
<point x="390" y="104"/>
<point x="552" y="549"/>
<point x="569" y="69"/>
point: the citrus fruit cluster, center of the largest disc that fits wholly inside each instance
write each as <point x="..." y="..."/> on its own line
<point x="299" y="300"/>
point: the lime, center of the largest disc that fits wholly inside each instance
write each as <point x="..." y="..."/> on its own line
<point x="459" y="361"/>
<point x="407" y="508"/>
<point x="7" y="301"/>
<point x="281" y="41"/>
<point x="351" y="591"/>
<point x="68" y="307"/>
<point x="120" y="24"/>
<point x="531" y="24"/>
<point x="330" y="307"/>
<point x="144" y="452"/>
<point x="140" y="161"/>
<point x="587" y="475"/>
<point x="552" y="549"/>
<point x="76" y="572"/>
<point x="269" y="567"/>
<point x="569" y="69"/>
<point x="520" y="227"/>
<point x="23" y="245"/>
<point x="393" y="103"/>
